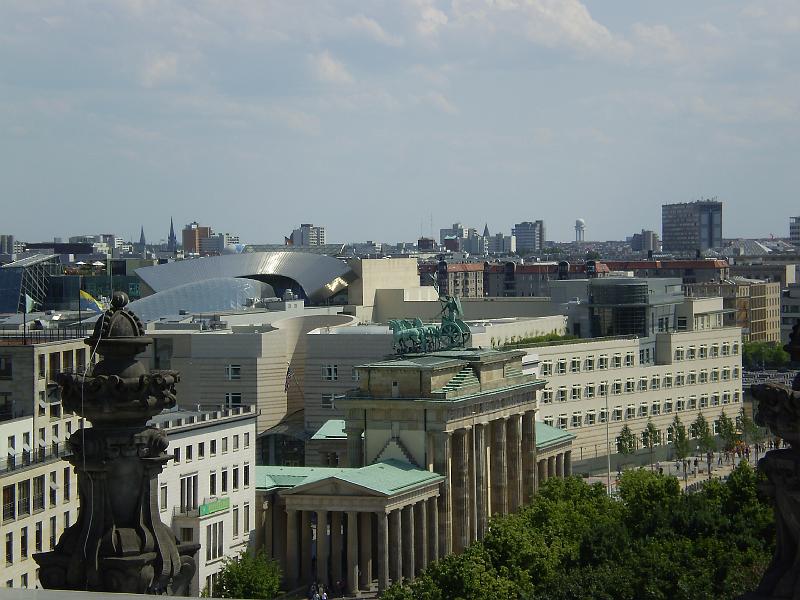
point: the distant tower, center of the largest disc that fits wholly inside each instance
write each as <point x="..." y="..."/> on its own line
<point x="580" y="229"/>
<point x="142" y="241"/>
<point x="172" y="241"/>
<point x="486" y="230"/>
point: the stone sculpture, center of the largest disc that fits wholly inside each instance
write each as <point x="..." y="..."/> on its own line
<point x="118" y="543"/>
<point x="411" y="335"/>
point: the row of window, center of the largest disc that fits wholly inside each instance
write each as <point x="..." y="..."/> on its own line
<point x="330" y="372"/>
<point x="642" y="384"/>
<point x="31" y="495"/>
<point x="187" y="453"/>
<point x="25" y="546"/>
<point x="49" y="365"/>
<point x="644" y="409"/>
<point x="189" y="490"/>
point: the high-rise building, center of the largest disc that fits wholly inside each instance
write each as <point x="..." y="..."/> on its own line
<point x="530" y="236"/>
<point x="192" y="234"/>
<point x="794" y="229"/>
<point x="308" y="235"/>
<point x="646" y="241"/>
<point x="456" y="231"/>
<point x="689" y="227"/>
<point x="6" y="244"/>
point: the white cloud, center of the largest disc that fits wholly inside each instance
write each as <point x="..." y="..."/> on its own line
<point x="431" y="19"/>
<point x="160" y="70"/>
<point x="326" y="68"/>
<point x="374" y="30"/>
<point x="661" y="40"/>
<point x="440" y="102"/>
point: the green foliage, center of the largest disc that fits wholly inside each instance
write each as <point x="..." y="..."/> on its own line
<point x="727" y="431"/>
<point x="575" y="543"/>
<point x="769" y="355"/>
<point x="680" y="440"/>
<point x="751" y="433"/>
<point x="702" y="431"/>
<point x="538" y="339"/>
<point x="247" y="576"/>
<point x="626" y="442"/>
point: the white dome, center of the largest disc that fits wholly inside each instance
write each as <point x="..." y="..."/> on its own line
<point x="580" y="223"/>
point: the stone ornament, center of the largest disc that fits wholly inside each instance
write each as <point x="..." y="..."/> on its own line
<point x="118" y="543"/>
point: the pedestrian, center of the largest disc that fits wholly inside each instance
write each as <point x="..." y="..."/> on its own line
<point x="324" y="595"/>
<point x="719" y="459"/>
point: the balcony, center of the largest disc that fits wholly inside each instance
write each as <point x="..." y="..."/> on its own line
<point x="209" y="507"/>
<point x="29" y="458"/>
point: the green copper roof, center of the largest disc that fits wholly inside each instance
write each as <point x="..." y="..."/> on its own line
<point x="332" y="429"/>
<point x="387" y="477"/>
<point x="548" y="436"/>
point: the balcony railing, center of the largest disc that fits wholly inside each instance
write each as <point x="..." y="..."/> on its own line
<point x="38" y="336"/>
<point x="33" y="457"/>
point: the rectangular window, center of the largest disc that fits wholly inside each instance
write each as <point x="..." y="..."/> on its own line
<point x="617" y="361"/>
<point x="630" y="386"/>
<point x="668" y="406"/>
<point x="38" y="493"/>
<point x="643" y="408"/>
<point x="736" y="372"/>
<point x="736" y="396"/>
<point x="5" y="367"/>
<point x="23" y="543"/>
<point x="726" y="397"/>
<point x="703" y="351"/>
<point x="233" y="399"/>
<point x="680" y="404"/>
<point x="177" y="455"/>
<point x="726" y="349"/>
<point x="214" y="541"/>
<point x="667" y="380"/>
<point x="235" y="519"/>
<point x="679" y="353"/>
<point x="235" y="443"/>
<point x="715" y="399"/>
<point x="189" y="453"/>
<point x="680" y="379"/>
<point x="212" y="483"/>
<point x="630" y="412"/>
<point x="213" y="447"/>
<point x="562" y="366"/>
<point x="714" y="351"/>
<point x="616" y="388"/>
<point x="162" y="494"/>
<point x="53" y="489"/>
<point x="547" y="368"/>
<point x="330" y="372"/>
<point x="588" y="364"/>
<point x="642" y="387"/>
<point x="235" y="478"/>
<point x="246" y="473"/>
<point x="603" y="415"/>
<point x="603" y="388"/>
<point x="201" y="450"/>
<point x="655" y="409"/>
<point x="589" y="390"/>
<point x="246" y="518"/>
<point x="327" y="401"/>
<point x="37" y="536"/>
<point x="692" y="378"/>
<point x="575" y="393"/>
<point x="224" y="481"/>
<point x="355" y="374"/>
<point x="692" y="402"/>
<point x="247" y="439"/>
<point x="187" y="534"/>
<point x="575" y="365"/>
<point x="562" y="394"/>
<point x="23" y="497"/>
<point x="548" y="420"/>
<point x="547" y="396"/>
<point x="703" y="376"/>
<point x="616" y="414"/>
<point x="591" y="417"/>
<point x="53" y="532"/>
<point x="66" y="519"/>
<point x="224" y="445"/>
<point x="233" y="372"/>
<point x="9" y="548"/>
<point x="691" y="353"/>
<point x="562" y="421"/>
<point x="655" y="382"/>
<point x="67" y="483"/>
<point x="629" y="358"/>
<point x="577" y="419"/>
<point x="189" y="493"/>
<point x="726" y="374"/>
<point x="602" y="362"/>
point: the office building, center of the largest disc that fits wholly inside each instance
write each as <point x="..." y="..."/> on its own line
<point x="308" y="235"/>
<point x="691" y="227"/>
<point x="794" y="230"/>
<point x="646" y="241"/>
<point x="191" y="236"/>
<point x="530" y="236"/>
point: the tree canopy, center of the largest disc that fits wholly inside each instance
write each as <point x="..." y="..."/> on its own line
<point x="769" y="355"/>
<point x="248" y="576"/>
<point x="573" y="542"/>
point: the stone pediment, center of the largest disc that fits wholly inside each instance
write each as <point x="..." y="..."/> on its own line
<point x="333" y="486"/>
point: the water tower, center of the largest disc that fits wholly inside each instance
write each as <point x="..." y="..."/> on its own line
<point x="580" y="228"/>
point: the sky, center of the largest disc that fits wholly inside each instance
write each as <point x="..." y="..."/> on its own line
<point x="385" y="119"/>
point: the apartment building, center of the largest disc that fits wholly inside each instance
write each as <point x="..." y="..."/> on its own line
<point x="629" y="381"/>
<point x="207" y="494"/>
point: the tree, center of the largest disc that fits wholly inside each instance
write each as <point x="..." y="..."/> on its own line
<point x="752" y="433"/>
<point x="728" y="433"/>
<point x="757" y="355"/>
<point x="680" y="442"/>
<point x="626" y="442"/>
<point x="650" y="438"/>
<point x="705" y="438"/>
<point x="248" y="576"/>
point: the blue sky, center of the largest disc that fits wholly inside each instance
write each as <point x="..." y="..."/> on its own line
<point x="374" y="117"/>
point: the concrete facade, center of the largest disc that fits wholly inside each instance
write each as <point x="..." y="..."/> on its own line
<point x="691" y="226"/>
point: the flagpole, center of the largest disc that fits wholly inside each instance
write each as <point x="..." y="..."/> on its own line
<point x="80" y="319"/>
<point x="25" y="321"/>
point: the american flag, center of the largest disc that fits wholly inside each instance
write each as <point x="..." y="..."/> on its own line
<point x="289" y="375"/>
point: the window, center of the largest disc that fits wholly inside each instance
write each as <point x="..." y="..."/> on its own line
<point x="233" y="372"/>
<point x="548" y="420"/>
<point x="736" y="372"/>
<point x="235" y="478"/>
<point x="714" y="375"/>
<point x="562" y="421"/>
<point x="214" y="541"/>
<point x="562" y="366"/>
<point x="23" y="543"/>
<point x="588" y="391"/>
<point x="246" y="518"/>
<point x="53" y="489"/>
<point x="355" y="374"/>
<point x="591" y="417"/>
<point x="189" y="453"/>
<point x="655" y="382"/>
<point x="692" y="378"/>
<point x="617" y="361"/>
<point x="224" y="445"/>
<point x="188" y="492"/>
<point x="233" y="399"/>
<point x="577" y="419"/>
<point x="667" y="406"/>
<point x="603" y="388"/>
<point x="23" y="497"/>
<point x="38" y="493"/>
<point x="667" y="380"/>
<point x="655" y="409"/>
<point x="328" y="400"/>
<point x="575" y="365"/>
<point x="213" y="447"/>
<point x="187" y="534"/>
<point x="692" y="402"/>
<point x="630" y="412"/>
<point x="726" y="349"/>
<point x="547" y="396"/>
<point x="714" y="351"/>
<point x="629" y="359"/>
<point x="53" y="532"/>
<point x="9" y="548"/>
<point x="680" y="404"/>
<point x="603" y="415"/>
<point x="588" y="364"/>
<point x="736" y="396"/>
<point x="726" y="373"/>
<point x="575" y="393"/>
<point x="67" y="482"/>
<point x="703" y="400"/>
<point x="212" y="483"/>
<point x="246" y="473"/>
<point x="691" y="353"/>
<point x="330" y="372"/>
<point x="5" y="367"/>
<point x="630" y="385"/>
<point x="547" y="368"/>
<point x="235" y="442"/>
<point x="680" y="379"/>
<point x="562" y="394"/>
<point x="602" y="362"/>
<point x="37" y="536"/>
<point x="201" y="450"/>
<point x="177" y="455"/>
<point x="703" y="351"/>
<point x="247" y="439"/>
<point x="735" y="348"/>
<point x="679" y="353"/>
<point x="162" y="494"/>
<point x="616" y="414"/>
<point x="715" y="399"/>
<point x="642" y="387"/>
<point x="643" y="408"/>
<point x="42" y="370"/>
<point x="703" y="376"/>
<point x="224" y="481"/>
<point x="235" y="519"/>
<point x="616" y="387"/>
<point x="726" y="397"/>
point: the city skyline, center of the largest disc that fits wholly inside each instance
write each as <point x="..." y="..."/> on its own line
<point x="255" y="117"/>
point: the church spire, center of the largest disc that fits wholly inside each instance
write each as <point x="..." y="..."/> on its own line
<point x="142" y="241"/>
<point x="172" y="241"/>
<point x="486" y="230"/>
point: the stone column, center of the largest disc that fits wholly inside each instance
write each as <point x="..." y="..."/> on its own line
<point x="268" y="526"/>
<point x="568" y="463"/>
<point x="441" y="462"/>
<point x="473" y="505"/>
<point x="396" y="542"/>
<point x="305" y="545"/>
<point x="481" y="487"/>
<point x="279" y="537"/>
<point x="514" y="440"/>
<point x="542" y="471"/>
<point x="460" y="474"/>
<point x="551" y="466"/>
<point x="355" y="447"/>
<point x="337" y="546"/>
<point x="322" y="548"/>
<point x="559" y="465"/>
<point x="292" y="563"/>
<point x="499" y="472"/>
<point x="383" y="551"/>
<point x="408" y="543"/>
<point x="528" y="456"/>
<point x="433" y="529"/>
<point x="352" y="552"/>
<point x="365" y="552"/>
<point x="420" y="538"/>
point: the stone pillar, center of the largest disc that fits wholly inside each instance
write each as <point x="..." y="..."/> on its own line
<point x="433" y="529"/>
<point x="559" y="465"/>
<point x="268" y="526"/>
<point x="551" y="466"/>
<point x="396" y="542"/>
<point x="352" y="552"/>
<point x="383" y="551"/>
<point x="365" y="551"/>
<point x="322" y="548"/>
<point x="481" y="487"/>
<point x="473" y="506"/>
<point x="528" y="456"/>
<point x="460" y="474"/>
<point x="441" y="462"/>
<point x="279" y="536"/>
<point x="514" y="440"/>
<point x="305" y="545"/>
<point x="568" y="463"/>
<point x="355" y="447"/>
<point x="292" y="558"/>
<point x="420" y="537"/>
<point x="337" y="547"/>
<point x="542" y="471"/>
<point x="409" y="561"/>
<point x="499" y="472"/>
